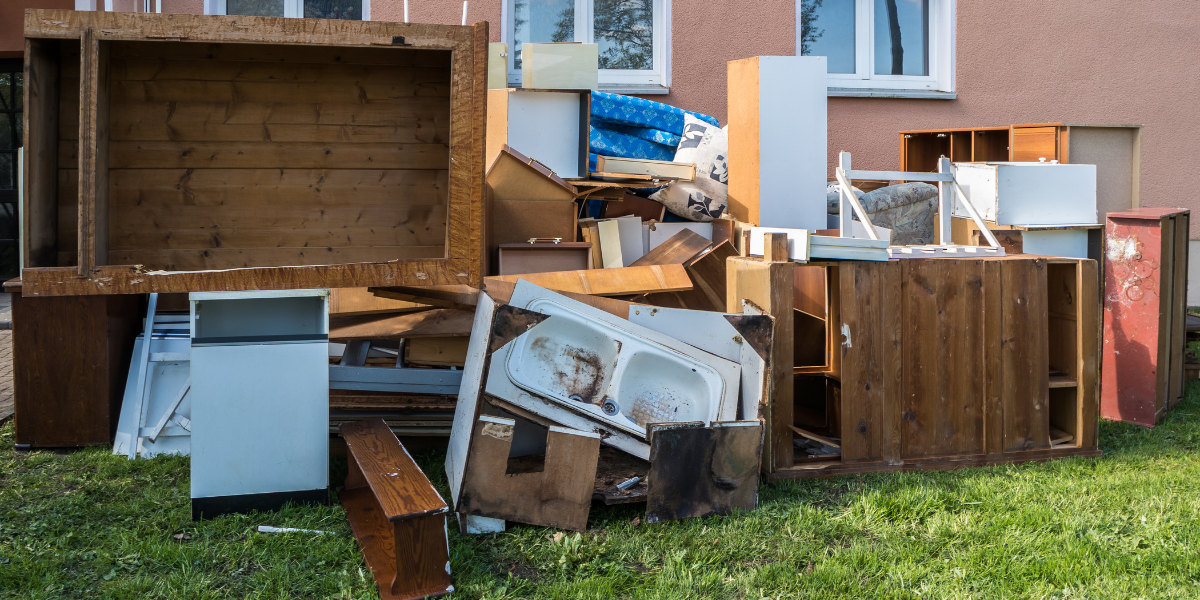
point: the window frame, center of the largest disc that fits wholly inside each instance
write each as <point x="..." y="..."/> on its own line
<point x="939" y="83"/>
<point x="621" y="81"/>
<point x="292" y="9"/>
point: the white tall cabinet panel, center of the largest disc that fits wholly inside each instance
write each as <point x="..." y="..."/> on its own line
<point x="260" y="400"/>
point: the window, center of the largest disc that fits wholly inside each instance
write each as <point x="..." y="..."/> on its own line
<point x="633" y="35"/>
<point x="881" y="47"/>
<point x="356" y="10"/>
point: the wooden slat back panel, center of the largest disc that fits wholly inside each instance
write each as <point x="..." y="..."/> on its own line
<point x="1024" y="350"/>
<point x="240" y="155"/>
<point x="943" y="383"/>
<point x="398" y="484"/>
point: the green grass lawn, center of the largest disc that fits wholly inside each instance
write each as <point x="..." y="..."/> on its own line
<point x="87" y="524"/>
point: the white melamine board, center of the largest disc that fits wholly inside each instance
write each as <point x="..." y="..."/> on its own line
<point x="708" y="331"/>
<point x="471" y="524"/>
<point x="798" y="241"/>
<point x="468" y="394"/>
<point x="793" y="154"/>
<point x="1027" y="194"/>
<point x="662" y="232"/>
<point x="611" y="248"/>
<point x="163" y="383"/>
<point x="630" y="230"/>
<point x="260" y="418"/>
<point x="545" y="127"/>
<point x="1071" y="243"/>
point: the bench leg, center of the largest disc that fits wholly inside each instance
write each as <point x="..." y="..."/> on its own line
<point x="422" y="557"/>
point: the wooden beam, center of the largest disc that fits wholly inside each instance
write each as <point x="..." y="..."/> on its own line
<point x="436" y="322"/>
<point x="620" y="281"/>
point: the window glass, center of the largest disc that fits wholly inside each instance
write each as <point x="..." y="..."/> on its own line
<point x="624" y="30"/>
<point x="333" y="9"/>
<point x="827" y="29"/>
<point x="254" y="8"/>
<point x="541" y="21"/>
<point x="901" y="37"/>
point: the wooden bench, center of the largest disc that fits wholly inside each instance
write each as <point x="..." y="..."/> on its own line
<point x="397" y="516"/>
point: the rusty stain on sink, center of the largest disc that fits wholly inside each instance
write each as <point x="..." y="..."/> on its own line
<point x="582" y="376"/>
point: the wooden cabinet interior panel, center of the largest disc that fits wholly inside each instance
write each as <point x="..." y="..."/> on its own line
<point x="301" y="185"/>
<point x="990" y="145"/>
<point x="1029" y="144"/>
<point x="252" y="142"/>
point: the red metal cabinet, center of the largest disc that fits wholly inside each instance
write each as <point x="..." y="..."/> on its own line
<point x="1145" y="296"/>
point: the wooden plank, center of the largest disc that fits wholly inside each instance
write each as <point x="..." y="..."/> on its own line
<point x="860" y="339"/>
<point x="960" y="422"/>
<point x="151" y="61"/>
<point x="140" y="27"/>
<point x="436" y="322"/>
<point x="399" y="84"/>
<point x="40" y="124"/>
<point x="817" y="438"/>
<point x="462" y="297"/>
<point x="698" y="471"/>
<point x="1088" y="343"/>
<point x="891" y="350"/>
<point x="744" y="150"/>
<point x="214" y="259"/>
<point x="421" y="113"/>
<point x="379" y="456"/>
<point x="275" y="155"/>
<point x="502" y="291"/>
<point x="708" y="283"/>
<point x="348" y="302"/>
<point x="993" y="344"/>
<point x="258" y="191"/>
<point x="559" y="495"/>
<point x="91" y="155"/>
<point x="769" y="286"/>
<point x="833" y="320"/>
<point x="679" y="249"/>
<point x="437" y="351"/>
<point x="618" y="281"/>
<point x="1024" y="349"/>
<point x="921" y="355"/>
<point x="775" y="247"/>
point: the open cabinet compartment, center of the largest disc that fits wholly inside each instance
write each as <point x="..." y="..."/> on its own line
<point x="938" y="363"/>
<point x="231" y="153"/>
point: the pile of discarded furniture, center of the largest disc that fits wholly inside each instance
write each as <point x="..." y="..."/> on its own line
<point x="250" y="242"/>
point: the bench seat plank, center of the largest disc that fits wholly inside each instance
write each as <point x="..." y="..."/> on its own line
<point x="399" y="485"/>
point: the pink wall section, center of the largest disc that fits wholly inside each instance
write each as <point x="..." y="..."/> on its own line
<point x="1018" y="61"/>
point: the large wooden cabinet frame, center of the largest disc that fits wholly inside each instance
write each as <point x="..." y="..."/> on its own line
<point x="374" y="179"/>
<point x="936" y="363"/>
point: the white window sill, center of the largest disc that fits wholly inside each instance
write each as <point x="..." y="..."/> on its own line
<point x="864" y="93"/>
<point x="628" y="90"/>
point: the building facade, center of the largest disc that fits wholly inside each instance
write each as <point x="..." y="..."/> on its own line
<point x="902" y="64"/>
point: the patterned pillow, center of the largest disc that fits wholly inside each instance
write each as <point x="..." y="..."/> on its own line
<point x="705" y="198"/>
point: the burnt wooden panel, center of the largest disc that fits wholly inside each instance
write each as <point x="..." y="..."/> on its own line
<point x="559" y="495"/>
<point x="70" y="361"/>
<point x="1024" y="350"/>
<point x="698" y="471"/>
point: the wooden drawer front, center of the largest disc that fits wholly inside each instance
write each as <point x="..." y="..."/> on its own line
<point x="1032" y="143"/>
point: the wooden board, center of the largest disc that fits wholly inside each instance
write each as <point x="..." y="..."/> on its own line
<point x="698" y="471"/>
<point x="619" y="281"/>
<point x="436" y="351"/>
<point x="350" y="302"/>
<point x="943" y="351"/>
<point x="708" y="283"/>
<point x="435" y="322"/>
<point x="302" y="140"/>
<point x="558" y="495"/>
<point x="71" y="358"/>
<point x="378" y="457"/>
<point x="769" y="286"/>
<point x="423" y="539"/>
<point x="679" y="249"/>
<point x="1025" y="384"/>
<point x="866" y="344"/>
<point x="462" y="297"/>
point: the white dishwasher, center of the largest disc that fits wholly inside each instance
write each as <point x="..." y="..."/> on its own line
<point x="260" y="400"/>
